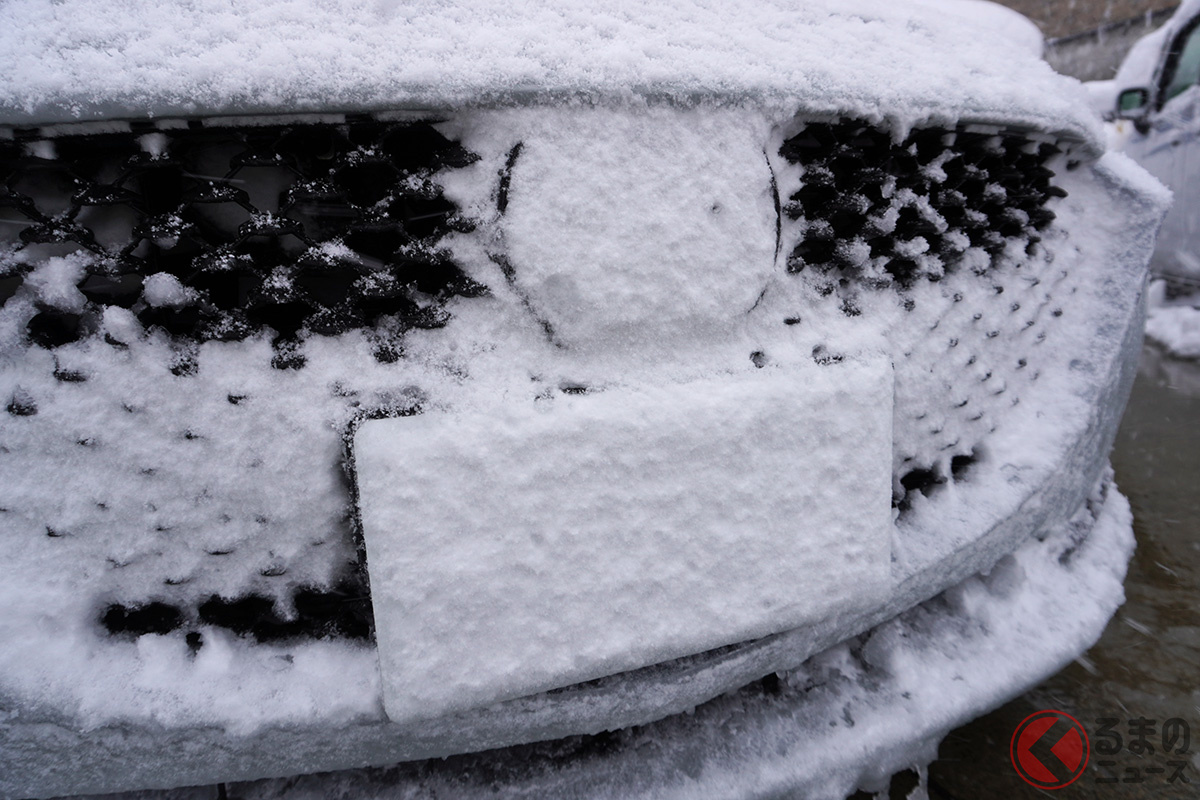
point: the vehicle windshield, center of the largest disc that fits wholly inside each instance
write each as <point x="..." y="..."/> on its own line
<point x="1187" y="67"/>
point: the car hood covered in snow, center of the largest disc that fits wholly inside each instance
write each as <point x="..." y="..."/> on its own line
<point x="64" y="60"/>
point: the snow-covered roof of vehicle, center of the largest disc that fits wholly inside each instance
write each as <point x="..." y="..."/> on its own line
<point x="63" y="60"/>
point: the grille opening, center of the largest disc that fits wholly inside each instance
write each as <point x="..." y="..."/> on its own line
<point x="306" y="230"/>
<point x="927" y="480"/>
<point x="52" y="328"/>
<point x="340" y="612"/>
<point x="153" y="617"/>
<point x="916" y="204"/>
<point x="960" y="465"/>
<point x="21" y="405"/>
<point x="919" y="480"/>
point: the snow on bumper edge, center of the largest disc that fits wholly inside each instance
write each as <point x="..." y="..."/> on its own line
<point x="850" y="716"/>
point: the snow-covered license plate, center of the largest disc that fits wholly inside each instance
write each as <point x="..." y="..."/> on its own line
<point x="525" y="547"/>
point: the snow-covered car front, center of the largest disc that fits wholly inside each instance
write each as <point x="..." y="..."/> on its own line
<point x="389" y="381"/>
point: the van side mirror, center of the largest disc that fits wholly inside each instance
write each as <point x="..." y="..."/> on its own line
<point x="1130" y="101"/>
<point x="1134" y="105"/>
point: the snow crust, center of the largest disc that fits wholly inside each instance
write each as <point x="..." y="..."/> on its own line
<point x="82" y="59"/>
<point x="527" y="546"/>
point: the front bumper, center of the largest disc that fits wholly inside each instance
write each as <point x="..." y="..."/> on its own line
<point x="848" y="718"/>
<point x="146" y="712"/>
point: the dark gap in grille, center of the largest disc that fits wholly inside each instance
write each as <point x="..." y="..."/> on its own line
<point x="506" y="177"/>
<point x="8" y="287"/>
<point x="138" y="620"/>
<point x="904" y="784"/>
<point x="926" y="481"/>
<point x="301" y="229"/>
<point x="343" y="612"/>
<point x="960" y="465"/>
<point x="53" y="328"/>
<point x="21" y="404"/>
<point x="949" y="189"/>
<point x="919" y="480"/>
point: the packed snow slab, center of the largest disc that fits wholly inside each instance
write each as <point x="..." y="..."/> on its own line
<point x="62" y="60"/>
<point x="520" y="548"/>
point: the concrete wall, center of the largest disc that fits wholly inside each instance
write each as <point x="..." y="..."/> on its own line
<point x="1088" y="38"/>
<point x="1058" y="18"/>
<point x="1096" y="55"/>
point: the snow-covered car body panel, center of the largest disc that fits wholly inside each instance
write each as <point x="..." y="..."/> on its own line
<point x="200" y="520"/>
<point x="83" y="60"/>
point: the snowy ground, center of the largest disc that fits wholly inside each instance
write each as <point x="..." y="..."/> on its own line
<point x="1174" y="322"/>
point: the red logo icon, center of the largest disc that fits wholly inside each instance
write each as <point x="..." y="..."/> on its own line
<point x="1049" y="749"/>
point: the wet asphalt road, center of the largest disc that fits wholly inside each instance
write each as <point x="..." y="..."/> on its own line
<point x="1146" y="666"/>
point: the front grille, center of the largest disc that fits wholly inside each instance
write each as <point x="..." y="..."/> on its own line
<point x="950" y="233"/>
<point x="198" y="233"/>
<point x="880" y="213"/>
<point x="218" y="233"/>
<point x="123" y="254"/>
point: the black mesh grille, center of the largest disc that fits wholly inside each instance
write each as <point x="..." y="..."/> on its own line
<point x="968" y="208"/>
<point x="880" y="212"/>
<point x="303" y="229"/>
<point x="343" y="611"/>
<point x="318" y="229"/>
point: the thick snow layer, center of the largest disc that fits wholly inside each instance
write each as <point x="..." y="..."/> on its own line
<point x="64" y="59"/>
<point x="531" y="545"/>
<point x="845" y="719"/>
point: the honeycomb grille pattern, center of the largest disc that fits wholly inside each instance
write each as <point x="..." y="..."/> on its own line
<point x="316" y="230"/>
<point x="880" y="212"/>
<point x="210" y="233"/>
<point x="950" y="233"/>
<point x="306" y="230"/>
